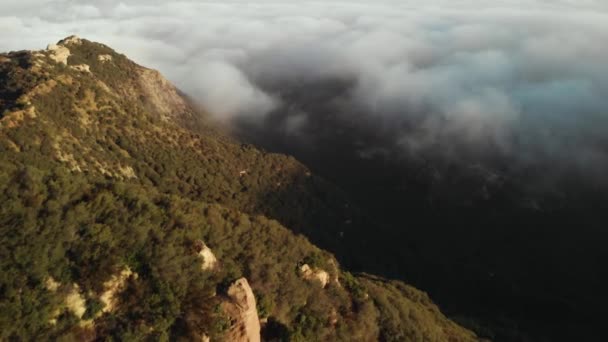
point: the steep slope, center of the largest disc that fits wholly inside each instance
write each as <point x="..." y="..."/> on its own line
<point x="126" y="216"/>
<point x="104" y="121"/>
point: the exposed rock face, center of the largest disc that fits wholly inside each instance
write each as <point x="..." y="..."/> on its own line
<point x="126" y="171"/>
<point x="241" y="308"/>
<point x="59" y="53"/>
<point x="75" y="302"/>
<point x="209" y="259"/>
<point x="319" y="275"/>
<point x="51" y="284"/>
<point x="82" y="67"/>
<point x="104" y="58"/>
<point x="113" y="286"/>
<point x="161" y="94"/>
<point x="71" y="40"/>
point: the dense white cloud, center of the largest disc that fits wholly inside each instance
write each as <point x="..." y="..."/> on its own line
<point x="225" y="91"/>
<point x="470" y="71"/>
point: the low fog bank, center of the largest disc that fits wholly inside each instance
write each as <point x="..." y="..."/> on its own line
<point x="512" y="85"/>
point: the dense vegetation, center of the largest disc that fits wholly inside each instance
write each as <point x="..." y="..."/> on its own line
<point x="95" y="178"/>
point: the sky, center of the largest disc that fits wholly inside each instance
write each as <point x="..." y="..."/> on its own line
<point x="527" y="77"/>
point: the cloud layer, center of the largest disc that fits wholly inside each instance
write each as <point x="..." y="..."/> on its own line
<point x="522" y="78"/>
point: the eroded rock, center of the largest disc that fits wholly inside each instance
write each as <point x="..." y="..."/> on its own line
<point x="75" y="301"/>
<point x="51" y="284"/>
<point x="161" y="94"/>
<point x="314" y="274"/>
<point x="127" y="172"/>
<point x="73" y="39"/>
<point x="104" y="58"/>
<point x="82" y="67"/>
<point x="241" y="308"/>
<point x="112" y="287"/>
<point x="209" y="259"/>
<point x="59" y="53"/>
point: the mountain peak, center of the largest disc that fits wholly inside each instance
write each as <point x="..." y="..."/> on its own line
<point x="113" y="73"/>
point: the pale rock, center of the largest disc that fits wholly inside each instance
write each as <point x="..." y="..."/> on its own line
<point x="113" y="286"/>
<point x="241" y="308"/>
<point x="104" y="58"/>
<point x="51" y="284"/>
<point x="75" y="301"/>
<point x="319" y="275"/>
<point x="38" y="60"/>
<point x="205" y="253"/>
<point x="59" y="53"/>
<point x="127" y="172"/>
<point x="71" y="40"/>
<point x="82" y="68"/>
<point x="161" y="94"/>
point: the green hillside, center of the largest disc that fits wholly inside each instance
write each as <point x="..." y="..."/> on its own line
<point x="109" y="175"/>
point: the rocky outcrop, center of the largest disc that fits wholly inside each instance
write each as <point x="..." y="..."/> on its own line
<point x="126" y="172"/>
<point x="205" y="253"/>
<point x="104" y="58"/>
<point x="112" y="287"/>
<point x="319" y="275"/>
<point x="163" y="97"/>
<point x="81" y="67"/>
<point x="59" y="53"/>
<point x="71" y="40"/>
<point x="51" y="284"/>
<point x="75" y="302"/>
<point x="73" y="299"/>
<point x="240" y="307"/>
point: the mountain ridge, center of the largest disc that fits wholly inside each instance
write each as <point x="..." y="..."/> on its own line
<point x="106" y="167"/>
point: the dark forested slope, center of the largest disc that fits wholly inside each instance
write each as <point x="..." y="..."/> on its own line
<point x="512" y="246"/>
